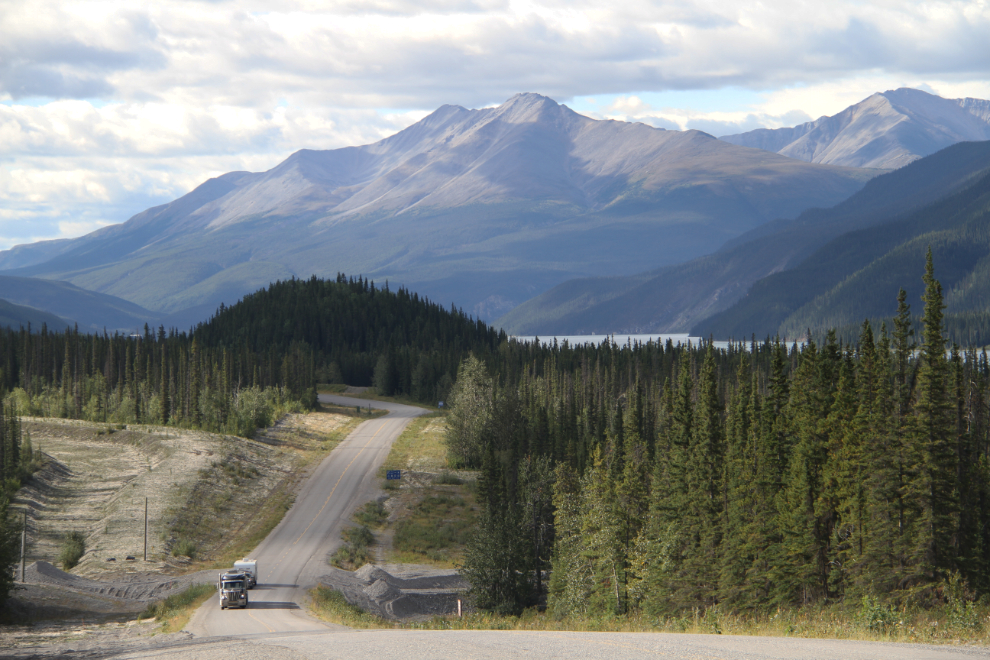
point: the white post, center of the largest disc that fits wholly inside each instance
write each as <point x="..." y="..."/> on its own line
<point x="458" y="608"/>
<point x="23" y="543"/>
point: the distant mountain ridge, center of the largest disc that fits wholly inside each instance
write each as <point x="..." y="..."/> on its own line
<point x="483" y="208"/>
<point x="92" y="311"/>
<point x="885" y="131"/>
<point x="19" y="316"/>
<point x="749" y="285"/>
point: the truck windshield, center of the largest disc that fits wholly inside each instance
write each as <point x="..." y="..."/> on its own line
<point x="237" y="584"/>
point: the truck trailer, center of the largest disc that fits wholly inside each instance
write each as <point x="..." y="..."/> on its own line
<point x="250" y="568"/>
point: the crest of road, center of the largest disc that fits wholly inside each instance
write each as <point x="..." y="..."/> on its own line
<point x="293" y="556"/>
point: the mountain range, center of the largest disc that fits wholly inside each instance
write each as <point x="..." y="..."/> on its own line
<point x="755" y="282"/>
<point x="886" y="131"/>
<point x="482" y="208"/>
<point x="598" y="225"/>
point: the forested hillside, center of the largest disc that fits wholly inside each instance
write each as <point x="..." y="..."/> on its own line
<point x="360" y="335"/>
<point x="249" y="362"/>
<point x="858" y="274"/>
<point x="661" y="478"/>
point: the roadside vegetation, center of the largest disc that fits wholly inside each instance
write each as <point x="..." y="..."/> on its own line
<point x="355" y="551"/>
<point x="331" y="605"/>
<point x="947" y="624"/>
<point x="175" y="611"/>
<point x="72" y="549"/>
<point x="435" y="509"/>
<point x="420" y="447"/>
<point x="436" y="528"/>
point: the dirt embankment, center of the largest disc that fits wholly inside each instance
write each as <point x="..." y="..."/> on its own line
<point x="202" y="489"/>
<point x="207" y="492"/>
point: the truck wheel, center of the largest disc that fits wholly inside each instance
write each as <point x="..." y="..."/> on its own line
<point x="245" y="601"/>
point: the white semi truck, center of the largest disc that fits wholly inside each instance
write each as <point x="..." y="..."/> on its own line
<point x="233" y="589"/>
<point x="250" y="568"/>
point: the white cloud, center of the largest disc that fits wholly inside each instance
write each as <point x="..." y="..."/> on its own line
<point x="111" y="105"/>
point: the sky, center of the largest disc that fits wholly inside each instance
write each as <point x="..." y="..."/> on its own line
<point x="108" y="108"/>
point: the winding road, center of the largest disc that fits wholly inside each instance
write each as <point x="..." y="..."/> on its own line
<point x="293" y="556"/>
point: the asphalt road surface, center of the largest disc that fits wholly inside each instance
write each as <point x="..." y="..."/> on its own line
<point x="293" y="556"/>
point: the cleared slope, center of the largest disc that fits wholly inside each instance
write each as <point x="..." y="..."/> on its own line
<point x="887" y="130"/>
<point x="484" y="208"/>
<point x="679" y="298"/>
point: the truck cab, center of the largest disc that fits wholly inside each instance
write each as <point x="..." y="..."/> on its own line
<point x="233" y="590"/>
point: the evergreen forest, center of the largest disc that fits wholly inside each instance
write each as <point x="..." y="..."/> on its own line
<point x="663" y="479"/>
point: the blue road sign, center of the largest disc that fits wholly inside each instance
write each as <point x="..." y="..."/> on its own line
<point x="393" y="474"/>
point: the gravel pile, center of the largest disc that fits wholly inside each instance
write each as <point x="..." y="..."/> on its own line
<point x="404" y="592"/>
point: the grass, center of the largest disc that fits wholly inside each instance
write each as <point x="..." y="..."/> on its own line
<point x="436" y="509"/>
<point x="175" y="611"/>
<point x="420" y="447"/>
<point x="354" y="553"/>
<point x="436" y="529"/>
<point x="829" y="622"/>
<point x="372" y="514"/>
<point x="956" y="622"/>
<point x="936" y="626"/>
<point x="330" y="605"/>
<point x="184" y="548"/>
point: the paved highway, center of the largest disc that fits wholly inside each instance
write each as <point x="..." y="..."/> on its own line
<point x="293" y="555"/>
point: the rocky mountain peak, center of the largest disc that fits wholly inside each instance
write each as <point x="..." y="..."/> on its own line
<point x="886" y="130"/>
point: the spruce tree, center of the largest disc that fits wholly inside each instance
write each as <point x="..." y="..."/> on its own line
<point x="932" y="480"/>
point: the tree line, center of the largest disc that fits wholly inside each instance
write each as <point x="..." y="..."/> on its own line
<point x="663" y="478"/>
<point x="237" y="371"/>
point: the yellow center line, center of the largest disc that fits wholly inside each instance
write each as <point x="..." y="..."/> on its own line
<point x="332" y="490"/>
<point x="270" y="629"/>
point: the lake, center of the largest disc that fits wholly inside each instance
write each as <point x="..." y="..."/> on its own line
<point x="622" y="340"/>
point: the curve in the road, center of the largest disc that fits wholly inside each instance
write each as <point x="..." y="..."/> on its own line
<point x="293" y="556"/>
